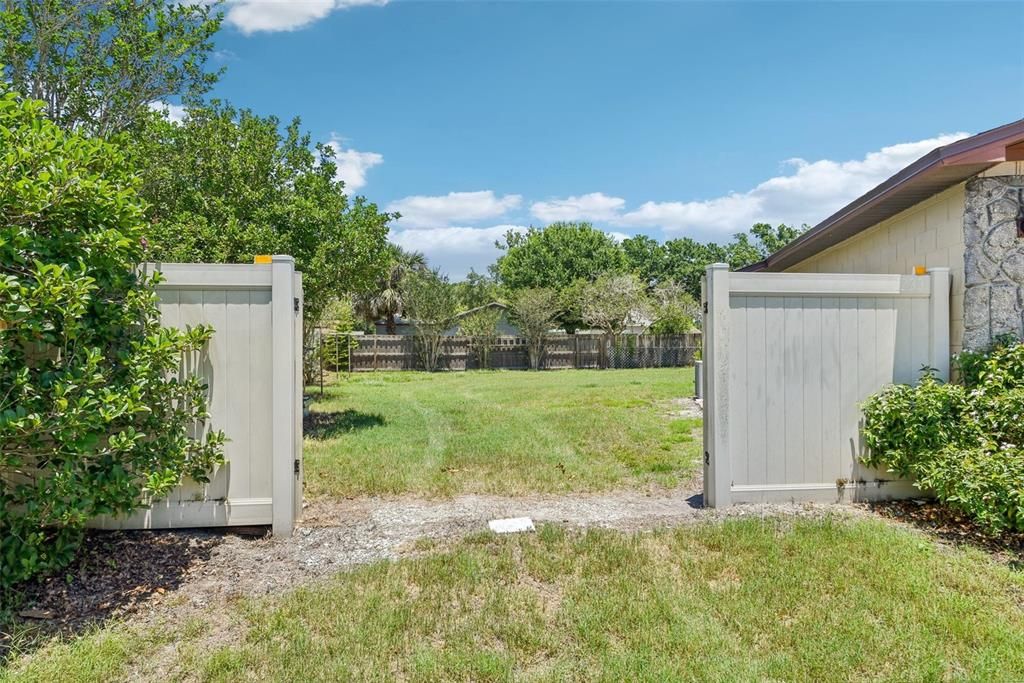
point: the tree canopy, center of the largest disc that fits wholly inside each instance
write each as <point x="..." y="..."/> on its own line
<point x="385" y="298"/>
<point x="557" y="256"/>
<point x="569" y="257"/>
<point x="225" y="185"/>
<point x="97" y="65"/>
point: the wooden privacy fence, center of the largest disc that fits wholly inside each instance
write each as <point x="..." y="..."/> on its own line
<point x="360" y="353"/>
<point x="789" y="358"/>
<point x="253" y="368"/>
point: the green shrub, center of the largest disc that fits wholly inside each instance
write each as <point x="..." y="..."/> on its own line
<point x="94" y="417"/>
<point x="481" y="327"/>
<point x="987" y="484"/>
<point x="964" y="441"/>
<point x="907" y="424"/>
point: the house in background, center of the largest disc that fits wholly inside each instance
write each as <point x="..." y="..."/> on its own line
<point x="960" y="206"/>
<point x="505" y="327"/>
<point x="404" y="326"/>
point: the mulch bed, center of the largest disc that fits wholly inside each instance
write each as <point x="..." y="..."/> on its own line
<point x="114" y="575"/>
<point x="955" y="528"/>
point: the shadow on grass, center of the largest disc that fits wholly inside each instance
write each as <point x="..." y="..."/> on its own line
<point x="326" y="425"/>
<point x="953" y="527"/>
<point x="114" y="574"/>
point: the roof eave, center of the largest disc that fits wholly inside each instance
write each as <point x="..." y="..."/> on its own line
<point x="936" y="171"/>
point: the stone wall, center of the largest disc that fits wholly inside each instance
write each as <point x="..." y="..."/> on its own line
<point x="993" y="260"/>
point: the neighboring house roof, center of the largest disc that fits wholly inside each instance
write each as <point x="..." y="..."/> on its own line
<point x="493" y="304"/>
<point x="936" y="171"/>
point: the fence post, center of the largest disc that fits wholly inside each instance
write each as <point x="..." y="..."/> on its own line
<point x="938" y="350"/>
<point x="283" y="387"/>
<point x="717" y="458"/>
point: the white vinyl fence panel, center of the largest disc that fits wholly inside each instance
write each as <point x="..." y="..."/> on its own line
<point x="253" y="368"/>
<point x="790" y="357"/>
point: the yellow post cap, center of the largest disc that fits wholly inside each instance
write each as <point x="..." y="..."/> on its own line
<point x="262" y="258"/>
<point x="920" y="270"/>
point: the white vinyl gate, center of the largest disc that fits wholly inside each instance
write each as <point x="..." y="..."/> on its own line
<point x="253" y="368"/>
<point x="788" y="359"/>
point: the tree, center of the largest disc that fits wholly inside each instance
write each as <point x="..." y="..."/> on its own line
<point x="98" y="64"/>
<point x="481" y="326"/>
<point x="94" y="417"/>
<point x="687" y="260"/>
<point x="477" y="290"/>
<point x="557" y="256"/>
<point x="534" y="310"/>
<point x="646" y="257"/>
<point x="226" y="185"/>
<point x="771" y="239"/>
<point x="684" y="260"/>
<point x="385" y="299"/>
<point x="431" y="304"/>
<point x="613" y="301"/>
<point x="675" y="310"/>
<point x="760" y="242"/>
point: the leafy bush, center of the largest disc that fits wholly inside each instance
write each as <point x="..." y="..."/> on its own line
<point x="94" y="418"/>
<point x="431" y="305"/>
<point x="481" y="326"/>
<point x="676" y="312"/>
<point x="964" y="442"/>
<point x="334" y="342"/>
<point x="534" y="311"/>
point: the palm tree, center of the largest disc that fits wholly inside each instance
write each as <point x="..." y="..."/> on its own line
<point x="385" y="299"/>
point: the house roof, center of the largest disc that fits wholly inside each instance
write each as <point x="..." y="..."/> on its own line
<point x="936" y="171"/>
<point x="493" y="304"/>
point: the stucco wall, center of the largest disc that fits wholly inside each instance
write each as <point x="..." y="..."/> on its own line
<point x="928" y="234"/>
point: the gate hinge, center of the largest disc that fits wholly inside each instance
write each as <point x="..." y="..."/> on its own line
<point x="296" y="303"/>
<point x="705" y="308"/>
<point x="297" y="466"/>
<point x="707" y="458"/>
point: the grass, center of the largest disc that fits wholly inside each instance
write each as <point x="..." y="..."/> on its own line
<point x="499" y="432"/>
<point x="825" y="600"/>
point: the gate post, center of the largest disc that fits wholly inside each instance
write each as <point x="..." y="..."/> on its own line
<point x="938" y="307"/>
<point x="717" y="458"/>
<point x="282" y="468"/>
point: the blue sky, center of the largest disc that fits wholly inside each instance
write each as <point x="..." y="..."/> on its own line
<point x="662" y="118"/>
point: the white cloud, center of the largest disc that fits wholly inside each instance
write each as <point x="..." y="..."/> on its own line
<point x="810" y="192"/>
<point x="806" y="192"/>
<point x="353" y="164"/>
<point x="595" y="206"/>
<point x="421" y="211"/>
<point x="456" y="249"/>
<point x="252" y="16"/>
<point x="175" y="112"/>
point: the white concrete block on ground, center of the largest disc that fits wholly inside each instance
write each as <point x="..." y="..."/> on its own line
<point x="511" y="525"/>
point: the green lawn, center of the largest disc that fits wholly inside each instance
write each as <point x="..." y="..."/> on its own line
<point x="827" y="600"/>
<point x="500" y="432"/>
